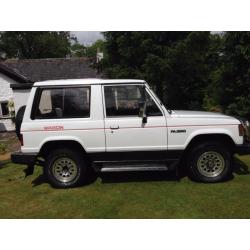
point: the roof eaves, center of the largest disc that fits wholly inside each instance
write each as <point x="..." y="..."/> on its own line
<point x="14" y="74"/>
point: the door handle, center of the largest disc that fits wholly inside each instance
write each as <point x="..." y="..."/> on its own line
<point x="114" y="127"/>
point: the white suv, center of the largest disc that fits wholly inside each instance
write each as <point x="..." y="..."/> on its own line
<point x="72" y="126"/>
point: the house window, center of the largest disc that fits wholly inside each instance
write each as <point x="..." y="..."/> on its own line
<point x="4" y="109"/>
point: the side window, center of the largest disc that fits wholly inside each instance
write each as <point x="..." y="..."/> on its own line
<point x="122" y="100"/>
<point x="76" y="102"/>
<point x="152" y="109"/>
<point x="63" y="103"/>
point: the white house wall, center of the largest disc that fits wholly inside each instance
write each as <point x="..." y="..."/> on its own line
<point x="20" y="97"/>
<point x="6" y="94"/>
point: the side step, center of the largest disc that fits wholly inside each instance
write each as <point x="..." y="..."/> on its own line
<point x="134" y="167"/>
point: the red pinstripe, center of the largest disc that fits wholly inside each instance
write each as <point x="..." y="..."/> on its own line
<point x="172" y="126"/>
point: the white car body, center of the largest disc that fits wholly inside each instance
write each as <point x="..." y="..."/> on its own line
<point x="119" y="130"/>
<point x="157" y="134"/>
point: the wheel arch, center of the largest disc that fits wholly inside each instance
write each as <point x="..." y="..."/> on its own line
<point x="203" y="138"/>
<point x="70" y="143"/>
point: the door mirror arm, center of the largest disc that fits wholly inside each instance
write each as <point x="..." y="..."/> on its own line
<point x="142" y="111"/>
<point x="144" y="115"/>
<point x="143" y="106"/>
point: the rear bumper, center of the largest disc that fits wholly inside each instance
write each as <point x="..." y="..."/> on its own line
<point x="243" y="149"/>
<point x="23" y="158"/>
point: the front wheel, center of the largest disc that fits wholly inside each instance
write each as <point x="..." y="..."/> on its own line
<point x="210" y="163"/>
<point x="65" y="168"/>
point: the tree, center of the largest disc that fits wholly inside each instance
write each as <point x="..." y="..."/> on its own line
<point x="78" y="50"/>
<point x="187" y="72"/>
<point x="92" y="50"/>
<point x="234" y="91"/>
<point x="174" y="63"/>
<point x="35" y="44"/>
<point x="214" y="62"/>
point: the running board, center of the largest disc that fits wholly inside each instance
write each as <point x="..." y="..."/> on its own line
<point x="135" y="167"/>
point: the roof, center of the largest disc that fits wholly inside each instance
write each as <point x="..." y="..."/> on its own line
<point x="53" y="68"/>
<point x="87" y="81"/>
<point x="15" y="75"/>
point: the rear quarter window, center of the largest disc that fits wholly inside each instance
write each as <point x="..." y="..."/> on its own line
<point x="58" y="103"/>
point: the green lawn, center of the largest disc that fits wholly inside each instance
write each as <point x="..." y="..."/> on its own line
<point x="133" y="195"/>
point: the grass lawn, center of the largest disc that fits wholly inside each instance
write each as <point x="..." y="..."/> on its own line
<point x="127" y="195"/>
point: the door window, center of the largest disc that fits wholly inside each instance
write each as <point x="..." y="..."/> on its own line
<point x="124" y="101"/>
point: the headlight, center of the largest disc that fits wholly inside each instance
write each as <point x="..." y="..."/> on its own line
<point x="244" y="128"/>
<point x="247" y="127"/>
<point x="241" y="130"/>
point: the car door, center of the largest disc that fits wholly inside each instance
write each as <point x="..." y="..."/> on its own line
<point x="126" y="135"/>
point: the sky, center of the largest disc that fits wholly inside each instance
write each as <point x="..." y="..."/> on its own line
<point x="87" y="37"/>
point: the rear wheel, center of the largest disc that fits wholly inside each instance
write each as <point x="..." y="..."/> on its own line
<point x="210" y="162"/>
<point x="65" y="168"/>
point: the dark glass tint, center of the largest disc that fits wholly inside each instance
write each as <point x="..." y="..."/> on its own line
<point x="122" y="100"/>
<point x="64" y="103"/>
<point x="152" y="109"/>
<point x="76" y="102"/>
<point x="125" y="101"/>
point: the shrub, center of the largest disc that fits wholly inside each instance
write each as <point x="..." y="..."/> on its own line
<point x="3" y="148"/>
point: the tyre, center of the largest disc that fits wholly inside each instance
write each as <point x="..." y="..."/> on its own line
<point x="209" y="163"/>
<point x="65" y="168"/>
<point x="19" y="120"/>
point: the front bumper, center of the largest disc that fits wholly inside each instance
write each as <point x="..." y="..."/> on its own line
<point x="243" y="149"/>
<point x="23" y="158"/>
